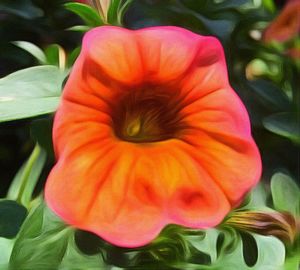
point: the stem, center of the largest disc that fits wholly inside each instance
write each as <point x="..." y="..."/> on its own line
<point x="25" y="180"/>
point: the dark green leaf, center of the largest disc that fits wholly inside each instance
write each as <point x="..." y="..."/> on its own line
<point x="271" y="94"/>
<point x="12" y="216"/>
<point x="284" y="124"/>
<point x="88" y="14"/>
<point x="250" y="251"/>
<point x="30" y="92"/>
<point x="22" y="8"/>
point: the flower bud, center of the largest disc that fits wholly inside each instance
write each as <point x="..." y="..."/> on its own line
<point x="279" y="224"/>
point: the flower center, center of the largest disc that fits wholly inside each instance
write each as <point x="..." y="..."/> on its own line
<point x="146" y="117"/>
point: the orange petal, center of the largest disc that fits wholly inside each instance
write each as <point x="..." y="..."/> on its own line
<point x="115" y="53"/>
<point x="191" y="197"/>
<point x="167" y="52"/>
<point x="109" y="197"/>
<point x="220" y="140"/>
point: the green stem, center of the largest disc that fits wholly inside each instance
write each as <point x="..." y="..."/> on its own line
<point x="26" y="179"/>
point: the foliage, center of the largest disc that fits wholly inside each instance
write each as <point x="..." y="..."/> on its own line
<point x="262" y="74"/>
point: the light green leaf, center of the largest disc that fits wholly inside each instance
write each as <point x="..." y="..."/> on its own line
<point x="76" y="260"/>
<point x="285" y="193"/>
<point x="32" y="49"/>
<point x="6" y="246"/>
<point x="292" y="262"/>
<point x="30" y="92"/>
<point x="80" y="28"/>
<point x="270" y="250"/>
<point x="256" y="199"/>
<point x="25" y="180"/>
<point x="284" y="124"/>
<point x="88" y="14"/>
<point x="206" y="244"/>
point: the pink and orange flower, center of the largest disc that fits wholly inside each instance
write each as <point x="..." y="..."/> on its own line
<point x="149" y="132"/>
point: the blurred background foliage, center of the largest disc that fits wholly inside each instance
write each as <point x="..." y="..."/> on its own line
<point x="263" y="73"/>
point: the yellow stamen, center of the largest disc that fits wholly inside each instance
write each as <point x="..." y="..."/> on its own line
<point x="134" y="128"/>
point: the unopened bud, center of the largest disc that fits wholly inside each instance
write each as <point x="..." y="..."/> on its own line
<point x="102" y="6"/>
<point x="279" y="224"/>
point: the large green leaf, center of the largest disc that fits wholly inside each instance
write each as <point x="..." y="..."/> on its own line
<point x="270" y="255"/>
<point x="45" y="242"/>
<point x="41" y="243"/>
<point x="30" y="92"/>
<point x="285" y="193"/>
<point x="284" y="124"/>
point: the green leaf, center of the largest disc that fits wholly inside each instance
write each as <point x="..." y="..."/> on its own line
<point x="75" y="260"/>
<point x="30" y="92"/>
<point x="12" y="216"/>
<point x="272" y="95"/>
<point x="292" y="262"/>
<point x="6" y="246"/>
<point x="284" y="124"/>
<point x="112" y="13"/>
<point x="41" y="243"/>
<point x="45" y="242"/>
<point x="256" y="199"/>
<point x="52" y="54"/>
<point x="26" y="179"/>
<point x="285" y="193"/>
<point x="22" y="8"/>
<point x="206" y="244"/>
<point x="270" y="255"/>
<point x="73" y="56"/>
<point x="88" y="14"/>
<point x="80" y="28"/>
<point x="32" y="49"/>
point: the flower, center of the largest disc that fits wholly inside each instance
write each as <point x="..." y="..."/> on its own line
<point x="286" y="26"/>
<point x="149" y="132"/>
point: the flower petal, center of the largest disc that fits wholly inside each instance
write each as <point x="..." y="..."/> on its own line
<point x="220" y="139"/>
<point x="115" y="53"/>
<point x="191" y="197"/>
<point x="167" y="52"/>
<point x="109" y="197"/>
